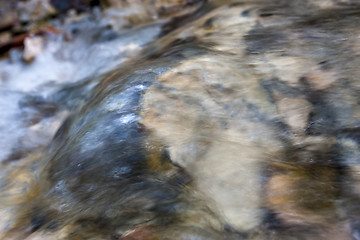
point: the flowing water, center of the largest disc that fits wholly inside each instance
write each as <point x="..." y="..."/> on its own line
<point x="237" y="121"/>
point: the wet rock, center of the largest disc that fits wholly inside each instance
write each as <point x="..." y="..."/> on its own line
<point x="127" y="14"/>
<point x="140" y="233"/>
<point x="235" y="125"/>
<point x="155" y="9"/>
<point x="33" y="10"/>
<point x="63" y="6"/>
<point x="8" y="13"/>
<point x="295" y="113"/>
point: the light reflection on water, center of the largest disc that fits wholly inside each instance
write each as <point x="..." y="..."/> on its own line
<point x="60" y="63"/>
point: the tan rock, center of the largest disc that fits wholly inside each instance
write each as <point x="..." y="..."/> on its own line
<point x="295" y="112"/>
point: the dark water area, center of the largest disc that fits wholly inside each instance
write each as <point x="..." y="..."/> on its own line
<point x="231" y="120"/>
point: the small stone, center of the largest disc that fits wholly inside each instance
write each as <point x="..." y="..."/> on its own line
<point x="5" y="37"/>
<point x="32" y="47"/>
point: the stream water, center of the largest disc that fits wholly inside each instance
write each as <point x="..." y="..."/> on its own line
<point x="237" y="121"/>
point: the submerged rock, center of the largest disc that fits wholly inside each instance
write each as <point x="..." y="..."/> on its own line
<point x="240" y="124"/>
